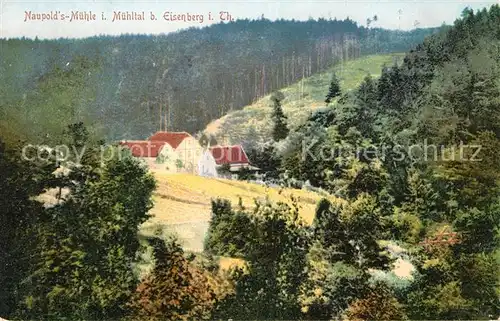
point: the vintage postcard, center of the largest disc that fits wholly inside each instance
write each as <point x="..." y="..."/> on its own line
<point x="249" y="160"/>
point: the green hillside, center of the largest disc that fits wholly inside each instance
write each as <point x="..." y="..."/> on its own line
<point x="254" y="122"/>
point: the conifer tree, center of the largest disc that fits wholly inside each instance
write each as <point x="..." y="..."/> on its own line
<point x="280" y="129"/>
<point x="334" y="89"/>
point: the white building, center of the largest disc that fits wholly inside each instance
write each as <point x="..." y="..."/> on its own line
<point x="207" y="165"/>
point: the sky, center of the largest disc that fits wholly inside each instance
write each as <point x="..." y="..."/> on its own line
<point x="18" y="17"/>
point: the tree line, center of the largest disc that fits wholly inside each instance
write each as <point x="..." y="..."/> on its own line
<point x="444" y="95"/>
<point x="128" y="86"/>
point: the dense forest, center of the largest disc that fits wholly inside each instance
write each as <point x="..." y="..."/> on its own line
<point x="129" y="86"/>
<point x="413" y="156"/>
<point x="408" y="165"/>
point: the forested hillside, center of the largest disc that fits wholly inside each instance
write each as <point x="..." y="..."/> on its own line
<point x="252" y="125"/>
<point x="415" y="155"/>
<point x="126" y="86"/>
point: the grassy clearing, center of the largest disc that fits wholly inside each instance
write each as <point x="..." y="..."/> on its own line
<point x="300" y="100"/>
<point x="184" y="198"/>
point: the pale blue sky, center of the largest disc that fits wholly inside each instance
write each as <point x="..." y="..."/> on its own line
<point x="427" y="13"/>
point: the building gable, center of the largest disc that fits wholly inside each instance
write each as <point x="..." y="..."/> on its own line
<point x="174" y="139"/>
<point x="229" y="155"/>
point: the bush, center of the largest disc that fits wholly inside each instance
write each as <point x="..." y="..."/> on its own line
<point x="175" y="290"/>
<point x="245" y="174"/>
<point x="378" y="304"/>
<point x="230" y="232"/>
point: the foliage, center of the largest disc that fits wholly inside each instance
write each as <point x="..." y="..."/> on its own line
<point x="175" y="290"/>
<point x="161" y="159"/>
<point x="330" y="285"/>
<point x="115" y="80"/>
<point x="378" y="304"/>
<point x="224" y="169"/>
<point x="341" y="229"/>
<point x="88" y="243"/>
<point x="444" y="95"/>
<point x="276" y="261"/>
<point x="341" y="256"/>
<point x="252" y="125"/>
<point x="266" y="159"/>
<point x="280" y="129"/>
<point x="179" y="164"/>
<point x="246" y="174"/>
<point x="20" y="182"/>
<point x="333" y="90"/>
<point x="207" y="140"/>
<point x="230" y="232"/>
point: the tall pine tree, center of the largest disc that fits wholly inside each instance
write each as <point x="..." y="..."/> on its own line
<point x="280" y="129"/>
<point x="334" y="89"/>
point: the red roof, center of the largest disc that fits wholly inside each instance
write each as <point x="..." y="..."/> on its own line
<point x="143" y="148"/>
<point x="229" y="155"/>
<point x="174" y="139"/>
